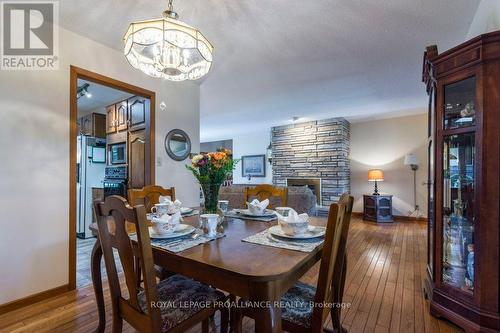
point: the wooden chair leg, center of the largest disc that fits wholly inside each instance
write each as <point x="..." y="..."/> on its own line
<point x="224" y="320"/>
<point x="205" y="324"/>
<point x="117" y="324"/>
<point x="237" y="320"/>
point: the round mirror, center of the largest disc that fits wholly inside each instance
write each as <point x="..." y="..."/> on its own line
<point x="178" y="144"/>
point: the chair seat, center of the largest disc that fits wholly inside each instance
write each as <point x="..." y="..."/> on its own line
<point x="297" y="304"/>
<point x="177" y="294"/>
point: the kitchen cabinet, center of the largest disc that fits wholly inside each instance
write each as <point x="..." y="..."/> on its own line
<point x="138" y="113"/>
<point x="110" y="119"/>
<point x="93" y="124"/>
<point x="117" y="117"/>
<point x="121" y="116"/>
<point x="137" y="159"/>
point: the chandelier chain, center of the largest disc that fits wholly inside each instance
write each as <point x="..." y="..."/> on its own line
<point x="171" y="5"/>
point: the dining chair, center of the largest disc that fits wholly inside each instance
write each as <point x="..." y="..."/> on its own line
<point x="266" y="191"/>
<point x="298" y="313"/>
<point x="149" y="195"/>
<point x="157" y="307"/>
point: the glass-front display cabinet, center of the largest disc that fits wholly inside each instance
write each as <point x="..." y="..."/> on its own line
<point x="463" y="273"/>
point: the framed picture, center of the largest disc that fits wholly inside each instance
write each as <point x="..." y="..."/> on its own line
<point x="253" y="166"/>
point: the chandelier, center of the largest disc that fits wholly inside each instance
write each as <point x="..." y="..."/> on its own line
<point x="168" y="48"/>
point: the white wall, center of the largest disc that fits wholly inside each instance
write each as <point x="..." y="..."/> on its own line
<point x="486" y="19"/>
<point x="252" y="144"/>
<point x="383" y="144"/>
<point x="34" y="155"/>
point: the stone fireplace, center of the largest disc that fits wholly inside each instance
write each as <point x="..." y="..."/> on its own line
<point x="314" y="154"/>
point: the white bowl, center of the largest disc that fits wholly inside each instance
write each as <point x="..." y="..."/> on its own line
<point x="293" y="228"/>
<point x="163" y="227"/>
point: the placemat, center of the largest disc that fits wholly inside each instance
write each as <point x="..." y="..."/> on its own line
<point x="182" y="243"/>
<point x="235" y="214"/>
<point x="302" y="245"/>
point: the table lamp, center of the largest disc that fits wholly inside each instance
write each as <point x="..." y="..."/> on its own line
<point x="375" y="175"/>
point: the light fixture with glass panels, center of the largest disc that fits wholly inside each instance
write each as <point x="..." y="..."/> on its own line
<point x="168" y="48"/>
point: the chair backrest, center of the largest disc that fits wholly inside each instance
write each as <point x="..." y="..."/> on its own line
<point x="112" y="216"/>
<point x="149" y="195"/>
<point x="339" y="273"/>
<point x="332" y="260"/>
<point x="266" y="191"/>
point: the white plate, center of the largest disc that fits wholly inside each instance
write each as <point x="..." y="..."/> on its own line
<point x="180" y="230"/>
<point x="266" y="213"/>
<point x="312" y="232"/>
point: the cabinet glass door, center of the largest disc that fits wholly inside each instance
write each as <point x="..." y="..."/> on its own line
<point x="460" y="104"/>
<point x="458" y="211"/>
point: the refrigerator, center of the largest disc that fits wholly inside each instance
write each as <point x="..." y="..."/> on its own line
<point x="91" y="162"/>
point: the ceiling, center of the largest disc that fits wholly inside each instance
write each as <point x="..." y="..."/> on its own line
<point x="102" y="96"/>
<point x="312" y="59"/>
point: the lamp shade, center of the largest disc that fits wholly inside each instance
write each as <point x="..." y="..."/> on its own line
<point x="411" y="159"/>
<point x="375" y="175"/>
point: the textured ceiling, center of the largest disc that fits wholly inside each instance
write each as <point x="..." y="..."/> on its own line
<point x="283" y="58"/>
<point x="102" y="96"/>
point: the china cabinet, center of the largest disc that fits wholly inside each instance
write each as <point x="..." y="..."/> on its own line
<point x="463" y="186"/>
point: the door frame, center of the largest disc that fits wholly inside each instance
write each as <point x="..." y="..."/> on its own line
<point x="80" y="73"/>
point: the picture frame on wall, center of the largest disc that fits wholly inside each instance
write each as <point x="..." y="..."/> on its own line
<point x="253" y="166"/>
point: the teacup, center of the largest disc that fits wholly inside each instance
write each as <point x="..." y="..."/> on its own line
<point x="165" y="224"/>
<point x="223" y="205"/>
<point x="160" y="208"/>
<point x="283" y="211"/>
<point x="209" y="224"/>
<point x="293" y="228"/>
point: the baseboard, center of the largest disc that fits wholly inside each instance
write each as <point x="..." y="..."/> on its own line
<point x="400" y="218"/>
<point x="28" y="300"/>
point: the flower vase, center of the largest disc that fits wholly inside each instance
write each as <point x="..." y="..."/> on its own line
<point x="211" y="197"/>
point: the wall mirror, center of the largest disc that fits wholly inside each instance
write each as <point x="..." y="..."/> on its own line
<point x="178" y="144"/>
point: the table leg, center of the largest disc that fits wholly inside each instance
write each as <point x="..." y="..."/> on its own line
<point x="95" y="269"/>
<point x="268" y="320"/>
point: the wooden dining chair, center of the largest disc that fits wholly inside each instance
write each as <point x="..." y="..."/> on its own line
<point x="298" y="314"/>
<point x="266" y="191"/>
<point x="157" y="307"/>
<point x="149" y="195"/>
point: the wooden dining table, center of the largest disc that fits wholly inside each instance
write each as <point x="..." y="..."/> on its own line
<point x="251" y="271"/>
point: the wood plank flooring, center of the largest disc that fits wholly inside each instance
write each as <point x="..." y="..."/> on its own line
<point x="386" y="266"/>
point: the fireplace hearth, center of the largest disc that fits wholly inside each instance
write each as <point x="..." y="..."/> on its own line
<point x="313" y="183"/>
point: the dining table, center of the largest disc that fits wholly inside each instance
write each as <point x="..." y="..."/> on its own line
<point x="254" y="272"/>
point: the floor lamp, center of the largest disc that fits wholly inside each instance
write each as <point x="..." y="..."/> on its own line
<point x="412" y="161"/>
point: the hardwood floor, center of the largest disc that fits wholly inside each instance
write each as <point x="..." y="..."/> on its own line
<point x="386" y="266"/>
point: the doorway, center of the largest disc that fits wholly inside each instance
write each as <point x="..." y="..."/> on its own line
<point x="111" y="150"/>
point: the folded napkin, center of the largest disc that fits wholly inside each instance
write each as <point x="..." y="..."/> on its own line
<point x="257" y="206"/>
<point x="293" y="217"/>
<point x="173" y="206"/>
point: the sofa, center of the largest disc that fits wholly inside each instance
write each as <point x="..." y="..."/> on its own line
<point x="300" y="198"/>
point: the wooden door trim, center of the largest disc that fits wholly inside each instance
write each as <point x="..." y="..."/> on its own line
<point x="80" y="73"/>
